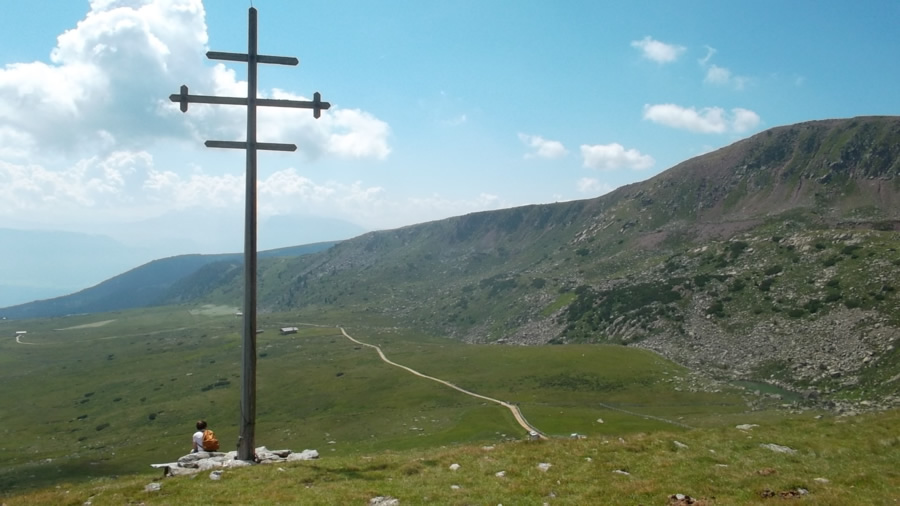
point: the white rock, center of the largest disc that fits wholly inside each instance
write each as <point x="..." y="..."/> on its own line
<point x="215" y="475"/>
<point x="745" y="426"/>
<point x="599" y="420"/>
<point x="544" y="466"/>
<point x="822" y="480"/>
<point x="153" y="487"/>
<point x="384" y="501"/>
<point x="778" y="448"/>
<point x="304" y="455"/>
<point x="500" y="474"/>
<point x="621" y="471"/>
<point x="679" y="444"/>
<point x="207" y="464"/>
<point x="454" y="467"/>
<point x="454" y="487"/>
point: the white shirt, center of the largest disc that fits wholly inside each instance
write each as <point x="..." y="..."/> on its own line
<point x="198" y="440"/>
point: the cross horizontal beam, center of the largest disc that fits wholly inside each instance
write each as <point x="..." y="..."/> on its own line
<point x="260" y="58"/>
<point x="269" y="146"/>
<point x="315" y="104"/>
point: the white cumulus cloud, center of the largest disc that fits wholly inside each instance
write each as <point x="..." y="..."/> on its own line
<point x="542" y="148"/>
<point x="706" y="120"/>
<point x="614" y="156"/>
<point x="107" y="82"/>
<point x="657" y="51"/>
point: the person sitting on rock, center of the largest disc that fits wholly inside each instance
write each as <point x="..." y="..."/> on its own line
<point x="197" y="438"/>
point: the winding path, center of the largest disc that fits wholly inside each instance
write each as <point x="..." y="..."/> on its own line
<point x="20" y="341"/>
<point x="516" y="412"/>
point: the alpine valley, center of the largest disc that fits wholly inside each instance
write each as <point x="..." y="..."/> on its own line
<point x="775" y="259"/>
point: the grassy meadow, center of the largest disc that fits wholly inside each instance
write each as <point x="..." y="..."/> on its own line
<point x="108" y="394"/>
<point x="100" y="397"/>
<point x="837" y="461"/>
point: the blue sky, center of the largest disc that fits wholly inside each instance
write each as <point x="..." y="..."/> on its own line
<point x="440" y="108"/>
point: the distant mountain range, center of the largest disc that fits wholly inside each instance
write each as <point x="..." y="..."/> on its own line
<point x="38" y="264"/>
<point x="775" y="258"/>
<point x="157" y="282"/>
<point x="43" y="264"/>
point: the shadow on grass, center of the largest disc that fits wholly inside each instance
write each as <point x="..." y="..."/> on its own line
<point x="38" y="475"/>
<point x="372" y="472"/>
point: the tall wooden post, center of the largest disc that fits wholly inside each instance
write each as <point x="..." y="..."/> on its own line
<point x="246" y="441"/>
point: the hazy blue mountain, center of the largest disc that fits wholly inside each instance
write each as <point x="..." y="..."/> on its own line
<point x="222" y="230"/>
<point x="42" y="264"/>
<point x="143" y="286"/>
<point x="38" y="264"/>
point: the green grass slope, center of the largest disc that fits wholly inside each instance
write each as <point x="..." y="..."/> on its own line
<point x="836" y="461"/>
<point x="87" y="396"/>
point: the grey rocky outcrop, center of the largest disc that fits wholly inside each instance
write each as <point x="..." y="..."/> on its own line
<point x="193" y="463"/>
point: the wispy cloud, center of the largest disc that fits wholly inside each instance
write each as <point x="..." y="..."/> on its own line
<point x="713" y="120"/>
<point x="710" y="51"/>
<point x="657" y="51"/>
<point x="718" y="75"/>
<point x="721" y="76"/>
<point x="543" y="148"/>
<point x="593" y="186"/>
<point x="614" y="156"/>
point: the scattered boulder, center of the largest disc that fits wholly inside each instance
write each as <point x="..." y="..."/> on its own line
<point x="679" y="444"/>
<point x="778" y="448"/>
<point x="153" y="487"/>
<point x="785" y="494"/>
<point x="745" y="426"/>
<point x="384" y="501"/>
<point x="304" y="455"/>
<point x="454" y="467"/>
<point x="544" y="466"/>
<point x="679" y="499"/>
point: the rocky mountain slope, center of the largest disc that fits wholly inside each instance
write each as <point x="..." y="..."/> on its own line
<point x="772" y="259"/>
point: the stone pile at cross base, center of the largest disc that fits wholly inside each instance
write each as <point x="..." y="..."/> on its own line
<point x="193" y="463"/>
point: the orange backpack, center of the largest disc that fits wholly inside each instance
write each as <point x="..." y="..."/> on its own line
<point x="210" y="443"/>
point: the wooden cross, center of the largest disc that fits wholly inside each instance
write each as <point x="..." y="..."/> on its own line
<point x="246" y="446"/>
